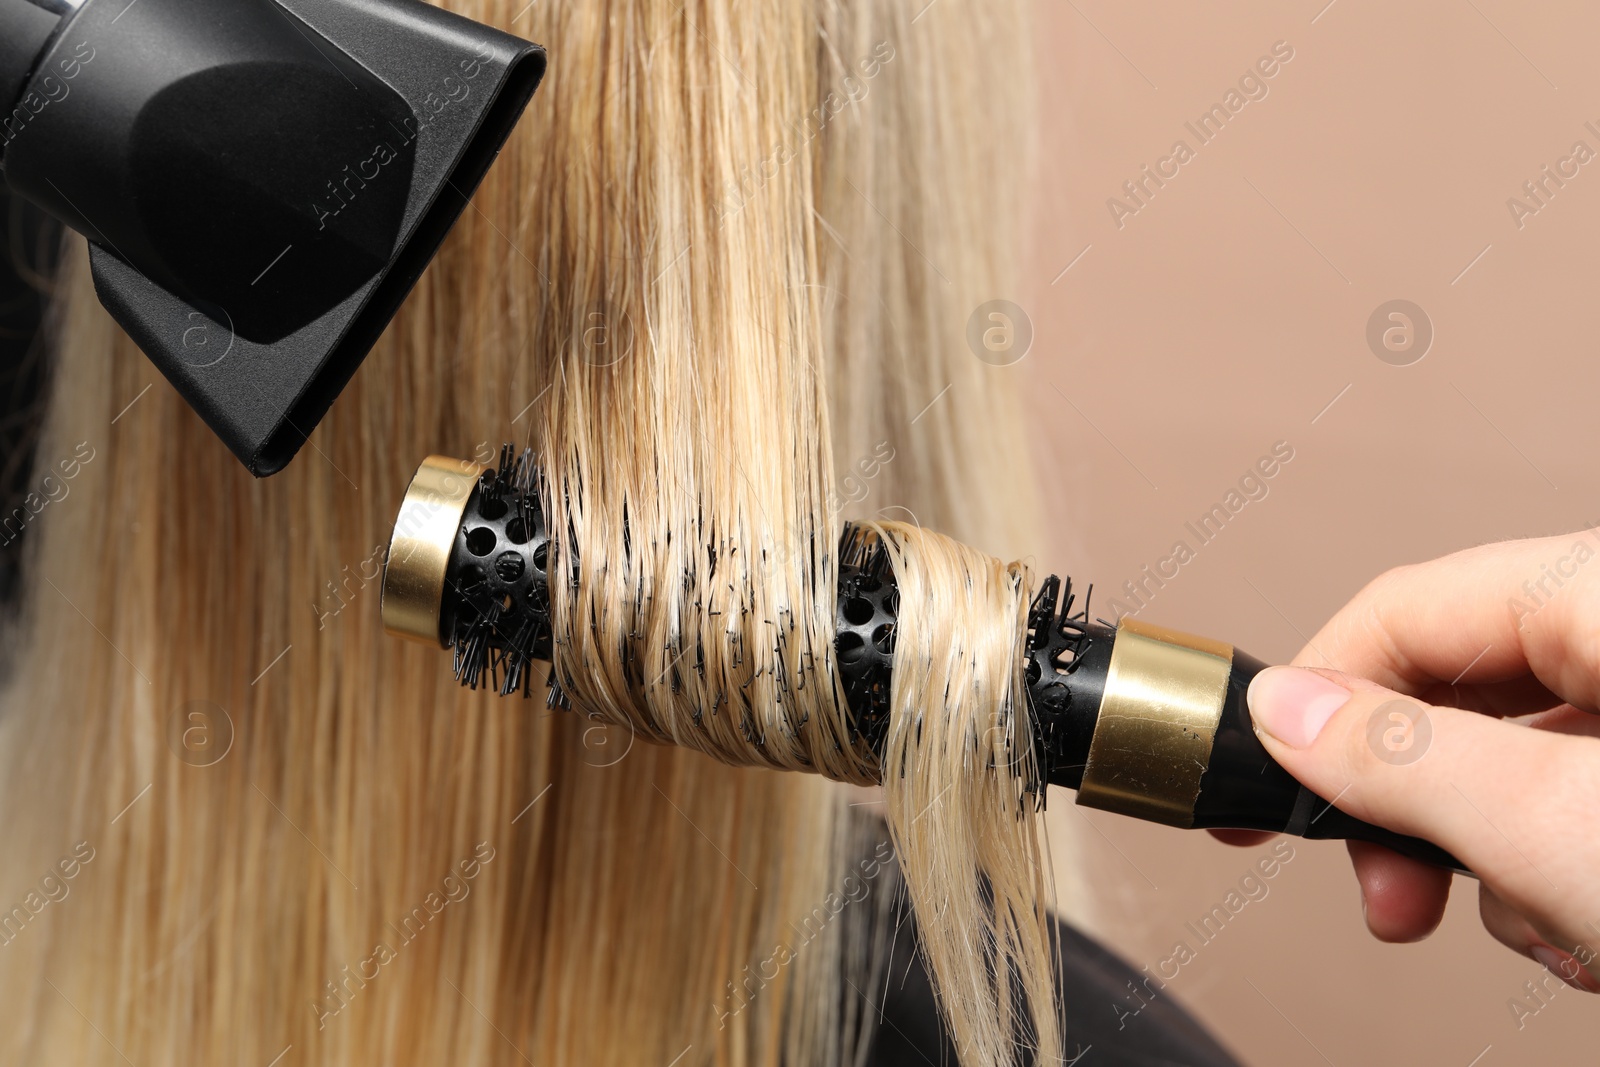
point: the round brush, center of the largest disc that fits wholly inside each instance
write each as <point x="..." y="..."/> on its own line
<point x="1138" y="719"/>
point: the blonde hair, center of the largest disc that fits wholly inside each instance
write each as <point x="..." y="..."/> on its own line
<point x="779" y="214"/>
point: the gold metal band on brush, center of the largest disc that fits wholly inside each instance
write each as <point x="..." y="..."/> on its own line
<point x="1163" y="699"/>
<point x="419" y="549"/>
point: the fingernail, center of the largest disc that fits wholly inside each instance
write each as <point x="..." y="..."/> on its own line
<point x="1566" y="967"/>
<point x="1293" y="704"/>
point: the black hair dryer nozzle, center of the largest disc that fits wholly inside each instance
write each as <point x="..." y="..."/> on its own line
<point x="261" y="181"/>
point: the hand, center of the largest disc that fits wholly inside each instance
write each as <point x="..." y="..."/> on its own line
<point x="1401" y="721"/>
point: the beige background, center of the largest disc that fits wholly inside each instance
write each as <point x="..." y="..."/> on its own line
<point x="1226" y="315"/>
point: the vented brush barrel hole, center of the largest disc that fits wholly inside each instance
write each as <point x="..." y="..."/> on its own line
<point x="858" y="611"/>
<point x="508" y="566"/>
<point x="883" y="638"/>
<point x="481" y="541"/>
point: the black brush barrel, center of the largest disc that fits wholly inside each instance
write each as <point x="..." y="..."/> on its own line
<point x="495" y="610"/>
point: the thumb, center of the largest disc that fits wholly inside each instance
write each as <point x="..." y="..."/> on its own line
<point x="1490" y="792"/>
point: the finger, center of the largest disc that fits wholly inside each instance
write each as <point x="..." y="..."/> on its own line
<point x="1513" y="803"/>
<point x="1505" y="923"/>
<point x="1243" y="838"/>
<point x="1487" y="614"/>
<point x="1403" y="899"/>
<point x="1525" y="695"/>
<point x="1565" y="720"/>
<point x="1515" y="932"/>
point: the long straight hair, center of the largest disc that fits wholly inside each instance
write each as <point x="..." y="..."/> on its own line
<point x="719" y="280"/>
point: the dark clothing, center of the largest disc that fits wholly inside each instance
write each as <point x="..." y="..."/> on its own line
<point x="1097" y="1023"/>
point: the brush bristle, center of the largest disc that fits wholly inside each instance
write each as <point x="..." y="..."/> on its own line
<point x="1057" y="640"/>
<point x="865" y="619"/>
<point x="497" y="595"/>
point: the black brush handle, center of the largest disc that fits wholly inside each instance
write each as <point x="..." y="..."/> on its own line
<point x="1155" y="724"/>
<point x="1244" y="788"/>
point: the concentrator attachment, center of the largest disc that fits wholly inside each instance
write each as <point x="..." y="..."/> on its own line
<point x="1138" y="719"/>
<point x="261" y="182"/>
